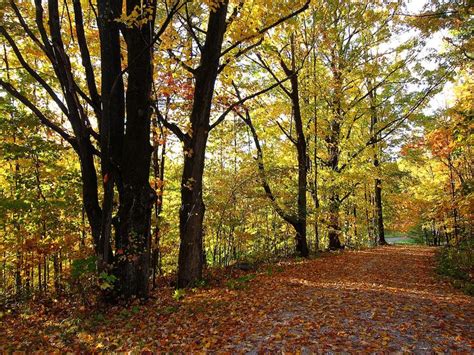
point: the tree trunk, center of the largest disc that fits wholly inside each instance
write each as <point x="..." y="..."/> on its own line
<point x="301" y="243"/>
<point x="379" y="212"/>
<point x="133" y="243"/>
<point x="191" y="214"/>
<point x="333" y="226"/>
<point x="354" y="214"/>
<point x="379" y="226"/>
<point x="300" y="143"/>
<point x="57" y="275"/>
<point x="333" y="141"/>
<point x="111" y="123"/>
<point x="453" y="200"/>
<point x="300" y="227"/>
<point x="158" y="174"/>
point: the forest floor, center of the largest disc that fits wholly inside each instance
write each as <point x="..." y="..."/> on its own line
<point x="386" y="298"/>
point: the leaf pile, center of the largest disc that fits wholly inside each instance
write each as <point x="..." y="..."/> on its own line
<point x="372" y="300"/>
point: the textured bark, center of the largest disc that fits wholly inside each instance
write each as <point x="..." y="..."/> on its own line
<point x="111" y="123"/>
<point x="136" y="197"/>
<point x="191" y="214"/>
<point x="124" y="155"/>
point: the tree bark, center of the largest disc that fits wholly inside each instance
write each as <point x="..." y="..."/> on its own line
<point x="111" y="122"/>
<point x="124" y="154"/>
<point x="136" y="196"/>
<point x="191" y="214"/>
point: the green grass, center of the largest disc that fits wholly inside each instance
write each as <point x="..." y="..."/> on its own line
<point x="394" y="234"/>
<point x="407" y="241"/>
<point x="240" y="283"/>
<point x="408" y="238"/>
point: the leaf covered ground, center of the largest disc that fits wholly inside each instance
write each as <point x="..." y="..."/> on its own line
<point x="377" y="299"/>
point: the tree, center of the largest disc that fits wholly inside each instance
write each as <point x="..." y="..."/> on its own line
<point x="122" y="113"/>
<point x="213" y="59"/>
<point x="291" y="73"/>
<point x="364" y="76"/>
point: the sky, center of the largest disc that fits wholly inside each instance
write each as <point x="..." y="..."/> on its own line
<point x="446" y="96"/>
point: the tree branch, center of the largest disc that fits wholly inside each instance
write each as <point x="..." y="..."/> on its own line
<point x="291" y="219"/>
<point x="86" y="58"/>
<point x="239" y="54"/>
<point x="242" y="101"/>
<point x="32" y="72"/>
<point x="267" y="28"/>
<point x="44" y="120"/>
<point x="171" y="126"/>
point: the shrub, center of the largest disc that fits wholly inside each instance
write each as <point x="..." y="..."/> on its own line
<point x="458" y="263"/>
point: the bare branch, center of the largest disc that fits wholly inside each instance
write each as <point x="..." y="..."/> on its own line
<point x="181" y="63"/>
<point x="377" y="137"/>
<point x="240" y="53"/>
<point x="26" y="27"/>
<point x="242" y="101"/>
<point x="32" y="72"/>
<point x="287" y="134"/>
<point x="261" y="169"/>
<point x="170" y="125"/>
<point x="44" y="120"/>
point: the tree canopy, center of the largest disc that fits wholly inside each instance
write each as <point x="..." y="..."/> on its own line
<point x="148" y="138"/>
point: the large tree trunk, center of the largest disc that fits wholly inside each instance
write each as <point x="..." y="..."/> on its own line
<point x="133" y="242"/>
<point x="124" y="156"/>
<point x="301" y="243"/>
<point x="191" y="214"/>
<point x="111" y="123"/>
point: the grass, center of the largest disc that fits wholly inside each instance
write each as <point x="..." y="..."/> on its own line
<point x="408" y="239"/>
<point x="240" y="283"/>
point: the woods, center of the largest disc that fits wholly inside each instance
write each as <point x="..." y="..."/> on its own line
<point x="151" y="140"/>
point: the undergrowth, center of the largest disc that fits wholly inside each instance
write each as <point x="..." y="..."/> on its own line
<point x="458" y="264"/>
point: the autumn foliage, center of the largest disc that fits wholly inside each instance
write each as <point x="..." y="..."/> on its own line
<point x="169" y="169"/>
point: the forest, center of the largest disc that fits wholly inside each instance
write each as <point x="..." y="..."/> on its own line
<point x="236" y="175"/>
